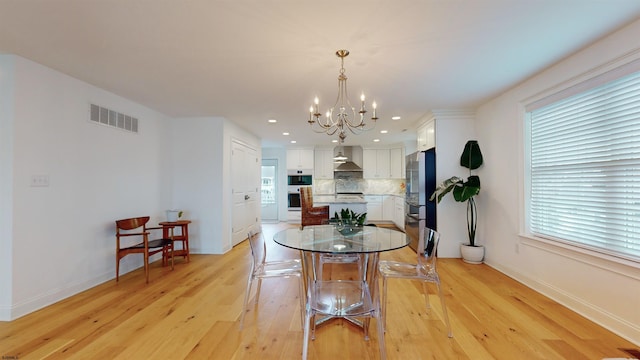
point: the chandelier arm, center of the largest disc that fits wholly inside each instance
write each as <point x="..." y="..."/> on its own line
<point x="319" y="131"/>
<point x="333" y="131"/>
<point x="356" y="130"/>
<point x="326" y="125"/>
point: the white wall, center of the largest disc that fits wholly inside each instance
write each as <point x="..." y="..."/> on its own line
<point x="453" y="128"/>
<point x="202" y="178"/>
<point x="602" y="290"/>
<point x="63" y="235"/>
<point x="6" y="181"/>
<point x="197" y="188"/>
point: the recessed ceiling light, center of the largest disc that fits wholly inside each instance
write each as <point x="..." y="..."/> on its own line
<point x="383" y="131"/>
<point x="396" y="118"/>
<point x="272" y="121"/>
<point x="293" y="141"/>
<point x="334" y="141"/>
<point x="285" y="133"/>
<point x="376" y="140"/>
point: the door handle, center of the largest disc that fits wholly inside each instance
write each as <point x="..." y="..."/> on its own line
<point x="246" y="197"/>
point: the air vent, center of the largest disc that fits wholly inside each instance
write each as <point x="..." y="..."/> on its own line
<point x="104" y="116"/>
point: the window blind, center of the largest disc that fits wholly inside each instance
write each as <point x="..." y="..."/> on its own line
<point x="585" y="169"/>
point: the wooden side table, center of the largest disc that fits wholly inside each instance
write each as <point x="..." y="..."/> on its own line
<point x="167" y="226"/>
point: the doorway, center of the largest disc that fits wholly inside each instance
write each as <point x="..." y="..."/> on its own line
<point x="269" y="191"/>
<point x="244" y="174"/>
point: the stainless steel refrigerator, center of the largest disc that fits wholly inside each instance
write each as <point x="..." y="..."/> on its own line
<point x="421" y="183"/>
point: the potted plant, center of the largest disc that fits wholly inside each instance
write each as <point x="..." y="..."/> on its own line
<point x="465" y="191"/>
<point x="348" y="221"/>
<point x="173" y="215"/>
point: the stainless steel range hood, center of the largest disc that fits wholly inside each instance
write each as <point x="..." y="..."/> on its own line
<point x="349" y="164"/>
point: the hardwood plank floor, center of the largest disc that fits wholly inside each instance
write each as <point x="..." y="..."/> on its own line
<point x="193" y="313"/>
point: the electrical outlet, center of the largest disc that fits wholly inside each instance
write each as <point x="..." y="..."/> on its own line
<point x="39" y="181"/>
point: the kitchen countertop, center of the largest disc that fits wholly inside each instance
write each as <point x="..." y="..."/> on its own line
<point x="338" y="199"/>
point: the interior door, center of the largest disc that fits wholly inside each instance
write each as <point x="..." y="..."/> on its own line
<point x="245" y="169"/>
<point x="269" y="191"/>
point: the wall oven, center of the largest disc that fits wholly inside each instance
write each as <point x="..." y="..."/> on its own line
<point x="293" y="198"/>
<point x="295" y="180"/>
<point x="300" y="177"/>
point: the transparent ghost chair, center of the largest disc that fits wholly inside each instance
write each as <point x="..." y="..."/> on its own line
<point x="353" y="300"/>
<point x="328" y="258"/>
<point x="262" y="269"/>
<point x="424" y="270"/>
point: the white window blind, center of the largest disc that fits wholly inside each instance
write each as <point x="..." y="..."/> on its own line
<point x="585" y="169"/>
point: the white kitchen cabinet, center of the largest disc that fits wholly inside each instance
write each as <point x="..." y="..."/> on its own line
<point x="300" y="159"/>
<point x="426" y="135"/>
<point x="396" y="163"/>
<point x="294" y="216"/>
<point x="375" y="164"/>
<point x="374" y="207"/>
<point x="388" y="207"/>
<point x="383" y="163"/>
<point x="323" y="164"/>
<point x="336" y="207"/>
<point x="398" y="218"/>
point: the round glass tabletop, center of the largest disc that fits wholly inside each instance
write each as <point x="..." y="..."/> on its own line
<point x="329" y="239"/>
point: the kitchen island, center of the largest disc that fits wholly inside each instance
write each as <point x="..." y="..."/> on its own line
<point x="355" y="203"/>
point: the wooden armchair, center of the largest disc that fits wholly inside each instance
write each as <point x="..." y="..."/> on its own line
<point x="127" y="228"/>
<point x="311" y="215"/>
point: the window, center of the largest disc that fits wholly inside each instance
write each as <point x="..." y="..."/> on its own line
<point x="584" y="168"/>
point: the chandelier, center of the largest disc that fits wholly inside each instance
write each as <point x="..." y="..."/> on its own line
<point x="342" y="115"/>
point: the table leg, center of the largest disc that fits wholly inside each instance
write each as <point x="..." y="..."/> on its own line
<point x="185" y="243"/>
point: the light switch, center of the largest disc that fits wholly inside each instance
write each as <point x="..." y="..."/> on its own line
<point x="39" y="180"/>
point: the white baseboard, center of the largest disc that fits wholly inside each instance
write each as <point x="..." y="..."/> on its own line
<point x="52" y="296"/>
<point x="611" y="322"/>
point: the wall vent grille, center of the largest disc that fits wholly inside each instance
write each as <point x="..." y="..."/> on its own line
<point x="104" y="116"/>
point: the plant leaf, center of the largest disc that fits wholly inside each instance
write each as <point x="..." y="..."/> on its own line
<point x="471" y="157"/>
<point x="445" y="187"/>
<point x="473" y="180"/>
<point x="464" y="193"/>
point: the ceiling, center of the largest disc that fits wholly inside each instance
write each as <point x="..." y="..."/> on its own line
<point x="250" y="61"/>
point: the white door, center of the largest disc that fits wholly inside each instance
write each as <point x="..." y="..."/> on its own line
<point x="269" y="191"/>
<point x="245" y="170"/>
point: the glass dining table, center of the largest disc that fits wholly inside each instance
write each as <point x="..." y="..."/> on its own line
<point x="337" y="298"/>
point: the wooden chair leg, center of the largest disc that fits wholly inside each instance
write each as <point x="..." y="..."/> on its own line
<point x="146" y="265"/>
<point x="172" y="253"/>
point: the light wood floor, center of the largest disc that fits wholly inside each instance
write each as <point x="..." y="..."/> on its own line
<point x="193" y="312"/>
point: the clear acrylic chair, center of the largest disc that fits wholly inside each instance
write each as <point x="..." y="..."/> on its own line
<point x="424" y="270"/>
<point x="262" y="269"/>
<point x="328" y="258"/>
<point x="348" y="299"/>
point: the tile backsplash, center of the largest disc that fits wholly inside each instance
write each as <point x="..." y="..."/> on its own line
<point x="366" y="186"/>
